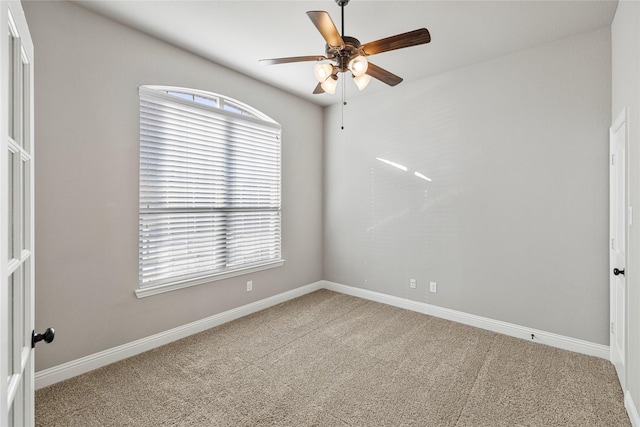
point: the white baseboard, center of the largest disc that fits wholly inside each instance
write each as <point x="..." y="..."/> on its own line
<point x="548" y="338"/>
<point x="97" y="360"/>
<point x="631" y="410"/>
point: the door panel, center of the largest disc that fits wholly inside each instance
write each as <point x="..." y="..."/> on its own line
<point x="16" y="213"/>
<point x="617" y="253"/>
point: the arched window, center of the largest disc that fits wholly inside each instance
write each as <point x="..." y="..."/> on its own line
<point x="209" y="189"/>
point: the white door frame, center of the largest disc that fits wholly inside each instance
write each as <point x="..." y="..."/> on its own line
<point x="619" y="220"/>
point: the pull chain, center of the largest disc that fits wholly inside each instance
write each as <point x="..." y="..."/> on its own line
<point x="344" y="102"/>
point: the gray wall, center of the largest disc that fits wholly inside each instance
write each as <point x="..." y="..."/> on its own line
<point x="625" y="58"/>
<point x="88" y="70"/>
<point x="513" y="225"/>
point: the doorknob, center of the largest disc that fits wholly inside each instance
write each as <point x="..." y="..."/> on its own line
<point x="48" y="336"/>
<point x="617" y="272"/>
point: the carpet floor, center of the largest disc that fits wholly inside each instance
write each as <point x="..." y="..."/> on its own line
<point x="328" y="359"/>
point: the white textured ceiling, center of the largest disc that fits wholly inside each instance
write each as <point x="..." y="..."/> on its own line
<point x="237" y="34"/>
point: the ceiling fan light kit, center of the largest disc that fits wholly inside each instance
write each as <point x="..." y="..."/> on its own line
<point x="348" y="54"/>
<point x="358" y="65"/>
<point x="322" y="71"/>
<point x="362" y="81"/>
<point x="330" y="84"/>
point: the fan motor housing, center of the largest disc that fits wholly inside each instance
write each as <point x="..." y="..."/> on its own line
<point x="343" y="55"/>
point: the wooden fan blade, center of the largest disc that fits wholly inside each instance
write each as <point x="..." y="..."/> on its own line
<point x="327" y="28"/>
<point x="318" y="89"/>
<point x="274" y="61"/>
<point x="383" y="75"/>
<point x="399" y="41"/>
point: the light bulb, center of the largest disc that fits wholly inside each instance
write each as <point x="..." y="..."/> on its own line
<point x="330" y="84"/>
<point x="362" y="81"/>
<point x="358" y="65"/>
<point x="322" y="71"/>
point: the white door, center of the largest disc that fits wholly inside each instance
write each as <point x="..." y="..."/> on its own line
<point x="617" y="252"/>
<point x="16" y="214"/>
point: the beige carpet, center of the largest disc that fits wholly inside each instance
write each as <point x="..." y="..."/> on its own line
<point x="329" y="359"/>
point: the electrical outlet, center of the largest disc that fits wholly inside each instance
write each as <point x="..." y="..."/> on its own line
<point x="433" y="287"/>
<point x="249" y="286"/>
<point x="412" y="283"/>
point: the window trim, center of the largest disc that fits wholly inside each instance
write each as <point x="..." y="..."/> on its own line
<point x="247" y="113"/>
<point x="147" y="291"/>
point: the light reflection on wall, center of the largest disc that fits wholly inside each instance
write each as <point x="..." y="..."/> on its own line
<point x="398" y="219"/>
<point x="395" y="235"/>
<point x="403" y="168"/>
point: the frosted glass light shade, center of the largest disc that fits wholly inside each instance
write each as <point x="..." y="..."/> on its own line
<point x="322" y="71"/>
<point x="330" y="84"/>
<point x="358" y="65"/>
<point x="362" y="81"/>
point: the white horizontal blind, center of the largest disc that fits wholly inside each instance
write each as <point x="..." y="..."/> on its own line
<point x="209" y="189"/>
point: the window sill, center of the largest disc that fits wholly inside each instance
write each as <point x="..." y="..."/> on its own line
<point x="168" y="287"/>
